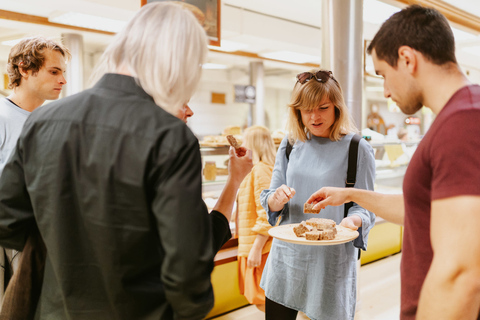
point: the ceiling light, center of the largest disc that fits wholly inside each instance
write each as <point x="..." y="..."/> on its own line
<point x="214" y="66"/>
<point x="230" y="46"/>
<point x="290" y="56"/>
<point x="87" y="21"/>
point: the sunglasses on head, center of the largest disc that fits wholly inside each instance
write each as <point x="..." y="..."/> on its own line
<point x="321" y="76"/>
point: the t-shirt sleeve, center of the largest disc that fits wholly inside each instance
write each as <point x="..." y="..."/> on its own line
<point x="220" y="229"/>
<point x="455" y="155"/>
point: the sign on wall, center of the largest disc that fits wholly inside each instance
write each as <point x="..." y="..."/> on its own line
<point x="207" y="13"/>
<point x="245" y="94"/>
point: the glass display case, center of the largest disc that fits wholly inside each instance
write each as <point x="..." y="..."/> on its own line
<point x="214" y="176"/>
<point x="391" y="161"/>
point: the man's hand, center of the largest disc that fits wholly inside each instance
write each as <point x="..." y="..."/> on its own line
<point x="280" y="197"/>
<point x="329" y="196"/>
<point x="388" y="206"/>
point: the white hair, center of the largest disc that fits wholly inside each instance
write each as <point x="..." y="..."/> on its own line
<point x="163" y="47"/>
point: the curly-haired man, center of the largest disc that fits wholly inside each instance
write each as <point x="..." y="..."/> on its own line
<point x="35" y="68"/>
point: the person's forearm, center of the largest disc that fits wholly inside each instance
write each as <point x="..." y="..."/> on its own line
<point x="260" y="241"/>
<point x="449" y="296"/>
<point x="387" y="206"/>
<point x="227" y="198"/>
<point x="273" y="206"/>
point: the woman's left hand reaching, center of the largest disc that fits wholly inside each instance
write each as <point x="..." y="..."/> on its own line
<point x="352" y="222"/>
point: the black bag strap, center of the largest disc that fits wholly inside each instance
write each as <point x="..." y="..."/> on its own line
<point x="352" y="174"/>
<point x="288" y="149"/>
<point x="352" y="168"/>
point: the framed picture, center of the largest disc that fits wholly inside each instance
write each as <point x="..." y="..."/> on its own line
<point x="207" y="13"/>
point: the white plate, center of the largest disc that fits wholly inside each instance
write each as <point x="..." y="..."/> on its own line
<point x="285" y="233"/>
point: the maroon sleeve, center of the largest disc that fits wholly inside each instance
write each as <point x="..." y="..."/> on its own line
<point x="455" y="155"/>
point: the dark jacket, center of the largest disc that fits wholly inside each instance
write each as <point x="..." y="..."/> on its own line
<point x="113" y="183"/>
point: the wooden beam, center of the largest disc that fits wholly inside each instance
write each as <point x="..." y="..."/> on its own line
<point x="452" y="13"/>
<point x="28" y="18"/>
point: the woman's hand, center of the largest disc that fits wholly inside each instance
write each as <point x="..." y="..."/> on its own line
<point x="282" y="195"/>
<point x="352" y="222"/>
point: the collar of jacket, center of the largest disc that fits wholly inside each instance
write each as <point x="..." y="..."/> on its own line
<point x="124" y="83"/>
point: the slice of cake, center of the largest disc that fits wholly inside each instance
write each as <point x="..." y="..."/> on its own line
<point x="321" y="224"/>
<point x="233" y="142"/>
<point x="328" y="234"/>
<point x="308" y="208"/>
<point x="301" y="229"/>
<point x="313" y="235"/>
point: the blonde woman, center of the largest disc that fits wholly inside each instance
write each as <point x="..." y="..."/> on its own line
<point x="253" y="240"/>
<point x="317" y="280"/>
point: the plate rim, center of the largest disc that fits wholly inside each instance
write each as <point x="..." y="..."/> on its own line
<point x="303" y="241"/>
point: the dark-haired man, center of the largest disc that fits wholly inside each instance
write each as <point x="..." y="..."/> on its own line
<point x="35" y="68"/>
<point x="414" y="51"/>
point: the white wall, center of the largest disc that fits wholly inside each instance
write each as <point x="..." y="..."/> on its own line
<point x="211" y="118"/>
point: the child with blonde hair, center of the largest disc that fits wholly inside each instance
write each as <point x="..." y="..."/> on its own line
<point x="253" y="240"/>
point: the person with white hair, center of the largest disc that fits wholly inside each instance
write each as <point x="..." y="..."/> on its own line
<point x="112" y="179"/>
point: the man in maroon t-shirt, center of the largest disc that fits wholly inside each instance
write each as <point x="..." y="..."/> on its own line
<point x="414" y="51"/>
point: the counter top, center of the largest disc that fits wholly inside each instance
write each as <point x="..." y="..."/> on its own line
<point x="228" y="253"/>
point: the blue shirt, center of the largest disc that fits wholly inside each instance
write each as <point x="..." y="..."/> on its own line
<point x="317" y="280"/>
<point x="12" y="119"/>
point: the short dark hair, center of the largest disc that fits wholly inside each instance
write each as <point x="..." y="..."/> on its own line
<point x="423" y="29"/>
<point x="29" y="54"/>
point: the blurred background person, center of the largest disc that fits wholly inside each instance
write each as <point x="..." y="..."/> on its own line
<point x="254" y="243"/>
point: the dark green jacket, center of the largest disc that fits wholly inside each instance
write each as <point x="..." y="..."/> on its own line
<point x="113" y="183"/>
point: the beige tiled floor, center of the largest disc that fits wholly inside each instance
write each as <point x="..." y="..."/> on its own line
<point x="379" y="294"/>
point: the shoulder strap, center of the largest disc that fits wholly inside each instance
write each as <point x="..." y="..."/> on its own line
<point x="352" y="167"/>
<point x="352" y="161"/>
<point x="288" y="149"/>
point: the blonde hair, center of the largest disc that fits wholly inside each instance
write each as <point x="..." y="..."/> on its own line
<point x="29" y="54"/>
<point x="307" y="97"/>
<point x="260" y="141"/>
<point x="163" y="47"/>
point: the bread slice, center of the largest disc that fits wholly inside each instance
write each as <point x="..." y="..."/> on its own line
<point x="321" y="224"/>
<point x="301" y="229"/>
<point x="313" y="235"/>
<point x="308" y="208"/>
<point x="328" y="234"/>
<point x="233" y="142"/>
